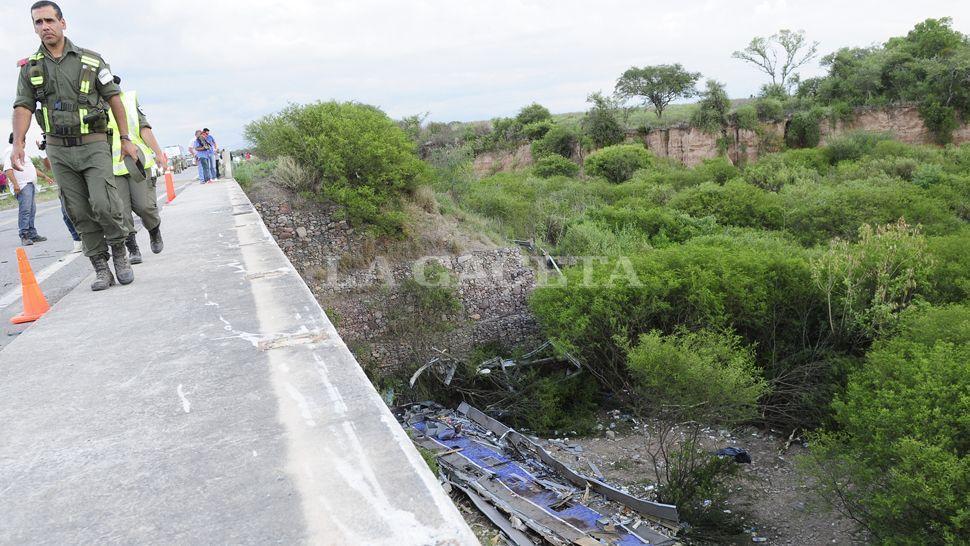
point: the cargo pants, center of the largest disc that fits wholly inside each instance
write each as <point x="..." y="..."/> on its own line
<point x="88" y="185"/>
<point x="140" y="198"/>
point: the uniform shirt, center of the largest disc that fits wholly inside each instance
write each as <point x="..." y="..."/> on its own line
<point x="62" y="80"/>
<point x="26" y="176"/>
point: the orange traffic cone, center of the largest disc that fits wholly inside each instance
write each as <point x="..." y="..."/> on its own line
<point x="170" y="186"/>
<point x="35" y="304"/>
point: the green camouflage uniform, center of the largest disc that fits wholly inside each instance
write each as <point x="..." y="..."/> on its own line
<point x="82" y="169"/>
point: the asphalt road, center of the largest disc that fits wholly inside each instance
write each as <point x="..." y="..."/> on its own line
<point x="57" y="269"/>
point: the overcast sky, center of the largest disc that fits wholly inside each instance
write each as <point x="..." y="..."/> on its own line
<point x="223" y="63"/>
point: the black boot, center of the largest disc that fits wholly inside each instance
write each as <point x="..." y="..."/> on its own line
<point x="156" y="237"/>
<point x="134" y="255"/>
<point x="119" y="256"/>
<point x="104" y="278"/>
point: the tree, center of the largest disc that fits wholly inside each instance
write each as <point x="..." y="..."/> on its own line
<point x="601" y="122"/>
<point x="533" y="113"/>
<point x="658" y="85"/>
<point x="712" y="113"/>
<point x="790" y="50"/>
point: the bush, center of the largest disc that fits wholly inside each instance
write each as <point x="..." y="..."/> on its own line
<point x="292" y="175"/>
<point x="899" y="462"/>
<point x="950" y="278"/>
<point x="718" y="169"/>
<point x="533" y="113"/>
<point x="558" y="140"/>
<point x="736" y="203"/>
<point x="867" y="283"/>
<point x="770" y="109"/>
<point x="746" y="117"/>
<point x="802" y="130"/>
<point x="939" y="119"/>
<point x="618" y="163"/>
<point x="601" y="123"/>
<point x="537" y="130"/>
<point x="555" y="165"/>
<point x="360" y="157"/>
<point x="758" y="285"/>
<point x="711" y="373"/>
<point x="853" y="145"/>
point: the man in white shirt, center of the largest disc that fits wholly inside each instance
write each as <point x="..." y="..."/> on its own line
<point x="23" y="183"/>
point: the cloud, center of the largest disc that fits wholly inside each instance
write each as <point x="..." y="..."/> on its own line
<point x="223" y="63"/>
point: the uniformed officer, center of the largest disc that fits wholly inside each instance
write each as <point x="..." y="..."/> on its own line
<point x="73" y="87"/>
<point x="134" y="182"/>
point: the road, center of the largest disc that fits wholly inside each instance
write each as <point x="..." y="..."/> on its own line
<point x="56" y="268"/>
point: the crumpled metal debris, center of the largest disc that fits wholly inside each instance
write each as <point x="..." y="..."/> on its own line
<point x="524" y="484"/>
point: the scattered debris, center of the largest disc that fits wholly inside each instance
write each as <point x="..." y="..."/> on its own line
<point x="525" y="491"/>
<point x="739" y="455"/>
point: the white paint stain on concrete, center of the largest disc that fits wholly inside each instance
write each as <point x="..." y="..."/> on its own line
<point x="186" y="405"/>
<point x="302" y="403"/>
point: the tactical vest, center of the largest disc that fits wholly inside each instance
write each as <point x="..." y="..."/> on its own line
<point x="130" y="100"/>
<point x="60" y="117"/>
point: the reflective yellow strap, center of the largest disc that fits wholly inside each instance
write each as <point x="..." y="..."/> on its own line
<point x="85" y="87"/>
<point x="90" y="60"/>
<point x="37" y="56"/>
<point x="37" y="80"/>
<point x="82" y="112"/>
<point x="47" y="119"/>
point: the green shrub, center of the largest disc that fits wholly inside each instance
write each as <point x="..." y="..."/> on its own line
<point x="803" y="130"/>
<point x="660" y="225"/>
<point x="562" y="405"/>
<point x="899" y="463"/>
<point x="758" y="285"/>
<point x="853" y="145"/>
<point x="710" y="372"/>
<point x="867" y="283"/>
<point x="746" y="117"/>
<point x="533" y="113"/>
<point x="618" y="163"/>
<point x="360" y="157"/>
<point x="718" y="170"/>
<point x="590" y="238"/>
<point x="772" y="173"/>
<point x="601" y="123"/>
<point x="247" y="172"/>
<point x="538" y="129"/>
<point x="815" y="213"/>
<point x="558" y="140"/>
<point x="939" y="119"/>
<point x="770" y="109"/>
<point x="950" y="277"/>
<point x="555" y="165"/>
<point x="736" y="203"/>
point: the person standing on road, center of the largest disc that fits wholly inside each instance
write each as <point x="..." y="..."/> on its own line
<point x="78" y="247"/>
<point x="74" y="88"/>
<point x="137" y="188"/>
<point x="203" y="154"/>
<point x="24" y="186"/>
<point x="215" y="153"/>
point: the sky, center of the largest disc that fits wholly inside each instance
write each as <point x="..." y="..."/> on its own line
<point x="223" y="63"/>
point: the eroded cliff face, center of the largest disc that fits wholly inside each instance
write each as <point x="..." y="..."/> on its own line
<point x="691" y="146"/>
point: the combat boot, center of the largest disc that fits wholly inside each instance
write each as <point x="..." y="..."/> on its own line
<point x="103" y="278"/>
<point x="134" y="254"/>
<point x="156" y="237"/>
<point x="119" y="256"/>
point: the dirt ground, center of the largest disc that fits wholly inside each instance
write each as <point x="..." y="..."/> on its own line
<point x="773" y="499"/>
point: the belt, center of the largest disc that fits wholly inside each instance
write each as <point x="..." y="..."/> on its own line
<point x="67" y="142"/>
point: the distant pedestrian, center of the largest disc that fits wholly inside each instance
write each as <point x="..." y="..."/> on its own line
<point x="203" y="155"/>
<point x="215" y="153"/>
<point x="23" y="183"/>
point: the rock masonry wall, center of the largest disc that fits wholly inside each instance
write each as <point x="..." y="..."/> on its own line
<point x="362" y="294"/>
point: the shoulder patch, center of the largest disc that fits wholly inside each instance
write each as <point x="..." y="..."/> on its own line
<point x="22" y="62"/>
<point x="87" y="51"/>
